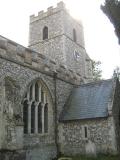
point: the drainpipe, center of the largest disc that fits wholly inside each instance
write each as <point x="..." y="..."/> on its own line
<point x="55" y="109"/>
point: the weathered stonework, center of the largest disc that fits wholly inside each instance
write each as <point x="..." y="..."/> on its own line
<point x="23" y="76"/>
<point x="52" y="62"/>
<point x="16" y="75"/>
<point x="60" y="45"/>
<point x="100" y="133"/>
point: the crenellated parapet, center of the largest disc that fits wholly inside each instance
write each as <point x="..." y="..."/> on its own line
<point x="51" y="10"/>
<point x="27" y="57"/>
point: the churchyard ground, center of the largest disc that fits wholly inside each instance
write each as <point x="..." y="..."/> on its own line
<point x="99" y="157"/>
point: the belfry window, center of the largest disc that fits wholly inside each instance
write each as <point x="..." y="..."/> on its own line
<point x="35" y="109"/>
<point x="74" y="35"/>
<point x="45" y="33"/>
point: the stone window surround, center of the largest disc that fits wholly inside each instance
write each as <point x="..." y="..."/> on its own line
<point x="85" y="127"/>
<point x="45" y="33"/>
<point x="43" y="104"/>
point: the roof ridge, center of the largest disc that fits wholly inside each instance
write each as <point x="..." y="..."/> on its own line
<point x="95" y="82"/>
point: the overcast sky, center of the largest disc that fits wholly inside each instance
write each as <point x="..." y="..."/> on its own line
<point x="101" y="42"/>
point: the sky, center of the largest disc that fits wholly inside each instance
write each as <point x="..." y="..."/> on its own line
<point x="100" y="41"/>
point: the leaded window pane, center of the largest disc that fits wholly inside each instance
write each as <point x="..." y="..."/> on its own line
<point x="31" y="92"/>
<point x="39" y="118"/>
<point x="33" y="118"/>
<point x="46" y="118"/>
<point x="36" y="92"/>
<point x="25" y="116"/>
<point x="35" y="115"/>
<point x="42" y="96"/>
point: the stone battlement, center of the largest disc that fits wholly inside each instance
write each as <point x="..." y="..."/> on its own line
<point x="51" y="10"/>
<point x="27" y="57"/>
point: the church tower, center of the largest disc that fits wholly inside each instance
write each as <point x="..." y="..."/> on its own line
<point x="60" y="37"/>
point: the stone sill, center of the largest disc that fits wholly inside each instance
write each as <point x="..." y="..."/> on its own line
<point x="36" y="135"/>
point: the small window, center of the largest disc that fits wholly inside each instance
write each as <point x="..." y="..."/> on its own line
<point x="74" y="35"/>
<point x="45" y="33"/>
<point x="86" y="132"/>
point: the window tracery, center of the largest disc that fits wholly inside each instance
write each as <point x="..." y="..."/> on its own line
<point x="35" y="109"/>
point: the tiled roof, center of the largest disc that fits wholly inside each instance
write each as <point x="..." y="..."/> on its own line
<point x="89" y="101"/>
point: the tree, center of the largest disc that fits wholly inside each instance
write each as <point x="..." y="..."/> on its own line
<point x="116" y="73"/>
<point x="112" y="10"/>
<point x="96" y="70"/>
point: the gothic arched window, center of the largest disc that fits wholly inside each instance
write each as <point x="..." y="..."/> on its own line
<point x="45" y="33"/>
<point x="46" y="118"/>
<point x="25" y="116"/>
<point x="74" y="35"/>
<point x="35" y="109"/>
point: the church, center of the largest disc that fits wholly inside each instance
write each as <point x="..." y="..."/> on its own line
<point x="49" y="103"/>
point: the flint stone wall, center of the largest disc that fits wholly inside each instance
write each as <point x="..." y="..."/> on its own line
<point x="23" y="76"/>
<point x="101" y="134"/>
<point x="60" y="45"/>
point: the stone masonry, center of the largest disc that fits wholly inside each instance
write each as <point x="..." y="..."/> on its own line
<point x="73" y="136"/>
<point x="60" y="45"/>
<point x="60" y="64"/>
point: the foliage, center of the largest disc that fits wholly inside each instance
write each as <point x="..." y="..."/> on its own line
<point x="96" y="70"/>
<point x="112" y="9"/>
<point x="116" y="73"/>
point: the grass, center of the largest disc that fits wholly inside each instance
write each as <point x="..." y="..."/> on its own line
<point x="99" y="157"/>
